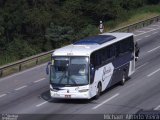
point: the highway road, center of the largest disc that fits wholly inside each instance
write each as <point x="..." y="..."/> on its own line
<point x="27" y="92"/>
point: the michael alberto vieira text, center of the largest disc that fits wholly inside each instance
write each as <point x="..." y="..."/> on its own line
<point x="131" y="117"/>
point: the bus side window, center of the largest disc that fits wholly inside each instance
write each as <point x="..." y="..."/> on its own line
<point x="107" y="53"/>
<point x="123" y="46"/>
<point x="117" y="47"/>
<point x="131" y="44"/>
<point x="126" y="45"/>
<point x="112" y="51"/>
<point x="97" y="59"/>
<point x="93" y="60"/>
<point x="103" y="55"/>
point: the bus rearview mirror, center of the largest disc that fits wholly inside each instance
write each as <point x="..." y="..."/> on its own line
<point x="47" y="68"/>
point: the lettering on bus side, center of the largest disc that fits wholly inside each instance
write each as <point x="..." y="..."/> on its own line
<point x="106" y="72"/>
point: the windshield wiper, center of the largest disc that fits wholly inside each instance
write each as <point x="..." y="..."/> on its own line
<point x="62" y="77"/>
<point x="65" y="76"/>
<point x="73" y="81"/>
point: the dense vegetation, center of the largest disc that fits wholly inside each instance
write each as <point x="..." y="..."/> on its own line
<point x="28" y="27"/>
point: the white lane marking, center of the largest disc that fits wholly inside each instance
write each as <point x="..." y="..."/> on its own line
<point x="2" y="95"/>
<point x="154" y="49"/>
<point x="157" y="108"/>
<point x="105" y="101"/>
<point x="142" y="65"/>
<point x="21" y="87"/>
<point x="146" y="32"/>
<point x="41" y="104"/>
<point x="147" y="36"/>
<point x="153" y="72"/>
<point x="154" y="33"/>
<point x="16" y="74"/>
<point x="156" y="25"/>
<point x="39" y="80"/>
<point x="140" y="31"/>
<point x="150" y="28"/>
<point x="139" y="39"/>
<point x="139" y="34"/>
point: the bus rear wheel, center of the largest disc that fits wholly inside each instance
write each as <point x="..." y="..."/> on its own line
<point x="99" y="88"/>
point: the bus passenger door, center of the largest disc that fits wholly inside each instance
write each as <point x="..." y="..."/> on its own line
<point x="92" y="81"/>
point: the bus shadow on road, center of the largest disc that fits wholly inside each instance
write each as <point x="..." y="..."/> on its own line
<point x="116" y="86"/>
<point x="46" y="95"/>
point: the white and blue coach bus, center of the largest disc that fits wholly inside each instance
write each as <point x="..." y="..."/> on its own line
<point x="86" y="68"/>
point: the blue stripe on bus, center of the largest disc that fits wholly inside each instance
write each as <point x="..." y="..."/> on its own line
<point x="99" y="39"/>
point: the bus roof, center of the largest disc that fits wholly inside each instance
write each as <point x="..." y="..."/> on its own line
<point x="86" y="46"/>
<point x="99" y="39"/>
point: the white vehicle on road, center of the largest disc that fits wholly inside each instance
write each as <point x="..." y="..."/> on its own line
<point x="85" y="68"/>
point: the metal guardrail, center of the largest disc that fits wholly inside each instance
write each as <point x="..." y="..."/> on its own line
<point x="18" y="66"/>
<point x="140" y="24"/>
<point x="35" y="60"/>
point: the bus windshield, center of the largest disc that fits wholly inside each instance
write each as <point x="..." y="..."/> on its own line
<point x="69" y="71"/>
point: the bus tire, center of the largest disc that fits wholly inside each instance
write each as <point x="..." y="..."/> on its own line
<point x="123" y="79"/>
<point x="99" y="88"/>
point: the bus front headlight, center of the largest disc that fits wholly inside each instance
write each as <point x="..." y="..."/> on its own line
<point x="83" y="90"/>
<point x="52" y="89"/>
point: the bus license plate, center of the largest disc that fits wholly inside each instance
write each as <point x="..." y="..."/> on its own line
<point x="67" y="96"/>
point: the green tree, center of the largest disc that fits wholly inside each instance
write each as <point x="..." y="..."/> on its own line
<point x="58" y="34"/>
<point x="153" y="1"/>
<point x="20" y="49"/>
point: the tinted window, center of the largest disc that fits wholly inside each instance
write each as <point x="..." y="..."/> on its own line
<point x="101" y="56"/>
<point x="124" y="46"/>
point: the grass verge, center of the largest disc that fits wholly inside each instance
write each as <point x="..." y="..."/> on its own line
<point x="133" y="17"/>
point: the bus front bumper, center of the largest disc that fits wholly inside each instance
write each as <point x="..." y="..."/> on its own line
<point x="83" y="95"/>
